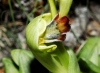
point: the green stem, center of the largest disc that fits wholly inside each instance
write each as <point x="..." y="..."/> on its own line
<point x="62" y="54"/>
<point x="79" y="41"/>
<point x="52" y="7"/>
<point x="11" y="11"/>
<point x="23" y="10"/>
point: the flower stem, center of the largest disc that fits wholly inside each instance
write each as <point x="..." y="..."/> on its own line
<point x="79" y="41"/>
<point x="12" y="12"/>
<point x="52" y="7"/>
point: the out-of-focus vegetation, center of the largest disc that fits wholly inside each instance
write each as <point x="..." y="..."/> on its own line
<point x="84" y="18"/>
<point x="14" y="16"/>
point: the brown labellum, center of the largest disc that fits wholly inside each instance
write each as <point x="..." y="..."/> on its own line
<point x="62" y="23"/>
<point x="63" y="26"/>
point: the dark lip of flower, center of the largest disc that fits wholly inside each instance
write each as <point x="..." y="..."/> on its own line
<point x="62" y="23"/>
<point x="63" y="26"/>
<point x="56" y="30"/>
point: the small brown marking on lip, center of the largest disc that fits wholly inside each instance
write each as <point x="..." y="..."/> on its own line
<point x="62" y="23"/>
<point x="62" y="37"/>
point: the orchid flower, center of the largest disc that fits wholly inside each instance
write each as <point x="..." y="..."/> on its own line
<point x="44" y="36"/>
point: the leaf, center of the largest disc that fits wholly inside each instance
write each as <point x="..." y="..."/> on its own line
<point x="73" y="66"/>
<point x="9" y="66"/>
<point x="23" y="59"/>
<point x="89" y="65"/>
<point x="89" y="55"/>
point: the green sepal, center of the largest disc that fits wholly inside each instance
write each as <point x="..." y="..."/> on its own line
<point x="64" y="7"/>
<point x="35" y="30"/>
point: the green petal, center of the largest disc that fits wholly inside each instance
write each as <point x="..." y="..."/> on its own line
<point x="32" y="33"/>
<point x="47" y="48"/>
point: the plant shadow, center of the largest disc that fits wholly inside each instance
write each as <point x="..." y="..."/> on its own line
<point x="36" y="67"/>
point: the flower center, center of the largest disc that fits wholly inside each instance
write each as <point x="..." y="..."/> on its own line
<point x="56" y="30"/>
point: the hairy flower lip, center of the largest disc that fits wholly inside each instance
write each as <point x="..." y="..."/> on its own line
<point x="62" y="23"/>
<point x="56" y="29"/>
<point x="63" y="26"/>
